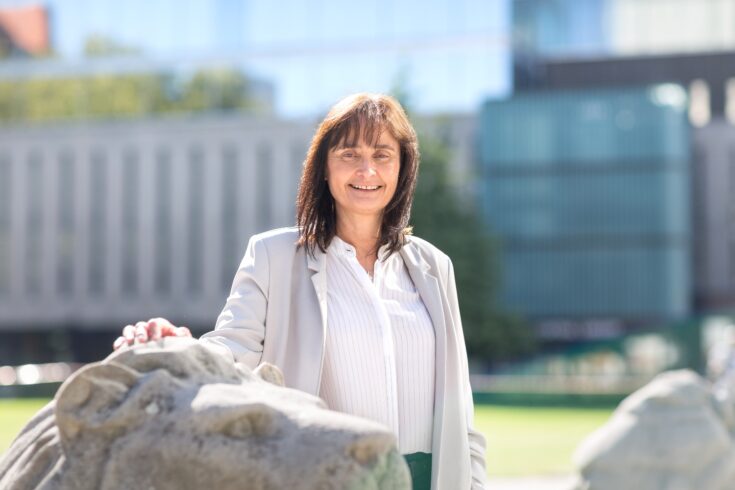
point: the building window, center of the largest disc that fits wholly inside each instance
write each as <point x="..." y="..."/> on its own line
<point x="66" y="193"/>
<point x="730" y="100"/>
<point x="97" y="223"/>
<point x="5" y="212"/>
<point x="130" y="207"/>
<point x="230" y="224"/>
<point x="34" y="222"/>
<point x="729" y="213"/>
<point x="699" y="104"/>
<point x="195" y="220"/>
<point x="162" y="236"/>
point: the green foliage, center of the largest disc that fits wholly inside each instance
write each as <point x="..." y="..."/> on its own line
<point x="125" y="96"/>
<point x="98" y="45"/>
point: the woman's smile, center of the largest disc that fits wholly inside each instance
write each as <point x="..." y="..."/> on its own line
<point x="365" y="187"/>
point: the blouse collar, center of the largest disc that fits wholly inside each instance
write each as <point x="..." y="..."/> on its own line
<point x="343" y="249"/>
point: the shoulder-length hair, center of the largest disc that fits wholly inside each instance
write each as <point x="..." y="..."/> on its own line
<point x="360" y="115"/>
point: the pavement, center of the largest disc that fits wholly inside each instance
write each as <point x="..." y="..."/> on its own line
<point x="553" y="482"/>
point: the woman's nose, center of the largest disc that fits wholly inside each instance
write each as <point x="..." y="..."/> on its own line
<point x="367" y="165"/>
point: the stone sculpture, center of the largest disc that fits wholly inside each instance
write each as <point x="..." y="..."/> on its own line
<point x="175" y="415"/>
<point x="675" y="433"/>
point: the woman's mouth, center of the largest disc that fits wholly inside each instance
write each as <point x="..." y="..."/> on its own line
<point x="366" y="188"/>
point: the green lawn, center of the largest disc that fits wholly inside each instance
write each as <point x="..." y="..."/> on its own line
<point x="521" y="440"/>
<point x="534" y="440"/>
<point x="14" y="413"/>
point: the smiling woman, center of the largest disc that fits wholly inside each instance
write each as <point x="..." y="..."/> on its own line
<point x="351" y="306"/>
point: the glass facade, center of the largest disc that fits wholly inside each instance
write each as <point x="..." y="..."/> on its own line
<point x="553" y="27"/>
<point x="589" y="194"/>
<point x="570" y="28"/>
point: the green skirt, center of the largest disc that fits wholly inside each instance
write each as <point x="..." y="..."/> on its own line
<point x="420" y="466"/>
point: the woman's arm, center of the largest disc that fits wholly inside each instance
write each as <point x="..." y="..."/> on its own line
<point x="476" y="439"/>
<point x="240" y="328"/>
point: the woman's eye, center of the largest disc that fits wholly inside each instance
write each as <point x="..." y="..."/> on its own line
<point x="348" y="154"/>
<point x="382" y="156"/>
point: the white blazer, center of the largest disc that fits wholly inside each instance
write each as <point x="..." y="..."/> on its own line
<point x="277" y="313"/>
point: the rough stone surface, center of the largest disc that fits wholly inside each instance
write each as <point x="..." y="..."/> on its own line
<point x="174" y="415"/>
<point x="676" y="433"/>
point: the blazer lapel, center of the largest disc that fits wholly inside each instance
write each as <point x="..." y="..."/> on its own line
<point x="428" y="287"/>
<point x="318" y="265"/>
<point x="426" y="284"/>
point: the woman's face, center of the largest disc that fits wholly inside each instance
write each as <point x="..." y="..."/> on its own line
<point x="363" y="178"/>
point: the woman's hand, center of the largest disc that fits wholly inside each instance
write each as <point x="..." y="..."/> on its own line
<point x="153" y="329"/>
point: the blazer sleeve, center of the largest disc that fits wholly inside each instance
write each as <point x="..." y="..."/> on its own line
<point x="240" y="328"/>
<point x="476" y="439"/>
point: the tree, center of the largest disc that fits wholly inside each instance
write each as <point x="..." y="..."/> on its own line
<point x="127" y="95"/>
<point x="112" y="96"/>
<point x="99" y="45"/>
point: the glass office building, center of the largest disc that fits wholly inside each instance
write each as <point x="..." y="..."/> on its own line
<point x="588" y="192"/>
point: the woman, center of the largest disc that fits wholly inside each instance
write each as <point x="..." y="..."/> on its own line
<point x="353" y="308"/>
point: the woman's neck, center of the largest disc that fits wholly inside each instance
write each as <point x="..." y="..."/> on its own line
<point x="364" y="235"/>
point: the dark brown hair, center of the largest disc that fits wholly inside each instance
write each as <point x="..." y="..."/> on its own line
<point x="359" y="115"/>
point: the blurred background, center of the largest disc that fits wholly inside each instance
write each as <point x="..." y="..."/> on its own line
<point x="578" y="161"/>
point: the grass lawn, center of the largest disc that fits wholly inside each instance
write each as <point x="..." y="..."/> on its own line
<point x="534" y="440"/>
<point x="14" y="413"/>
<point x="521" y="440"/>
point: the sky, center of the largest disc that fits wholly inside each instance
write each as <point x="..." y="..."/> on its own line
<point x="452" y="54"/>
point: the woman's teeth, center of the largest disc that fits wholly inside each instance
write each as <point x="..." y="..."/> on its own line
<point x="365" y="187"/>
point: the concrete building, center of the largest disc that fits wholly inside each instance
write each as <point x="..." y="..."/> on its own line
<point x="714" y="217"/>
<point x="103" y="225"/>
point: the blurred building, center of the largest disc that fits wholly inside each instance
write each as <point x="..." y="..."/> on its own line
<point x="589" y="193"/>
<point x="596" y="28"/>
<point x="714" y="217"/>
<point x="103" y="225"/>
<point x="617" y="65"/>
<point x="710" y="81"/>
<point x="708" y="77"/>
<point x="544" y="28"/>
<point x="670" y="26"/>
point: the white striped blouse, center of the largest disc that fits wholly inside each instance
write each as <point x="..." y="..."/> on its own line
<point x="379" y="361"/>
